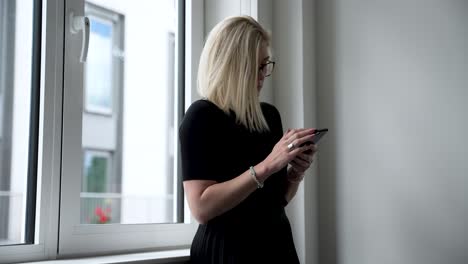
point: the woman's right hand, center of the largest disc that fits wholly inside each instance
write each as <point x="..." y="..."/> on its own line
<point x="288" y="148"/>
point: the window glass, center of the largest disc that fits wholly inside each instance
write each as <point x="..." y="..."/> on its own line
<point x="100" y="196"/>
<point x="128" y="111"/>
<point x="17" y="131"/>
<point x="99" y="67"/>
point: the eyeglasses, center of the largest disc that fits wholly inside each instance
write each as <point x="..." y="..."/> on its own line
<point x="267" y="68"/>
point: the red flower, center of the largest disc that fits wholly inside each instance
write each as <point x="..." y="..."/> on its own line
<point x="102" y="216"/>
<point x="98" y="211"/>
<point x="103" y="219"/>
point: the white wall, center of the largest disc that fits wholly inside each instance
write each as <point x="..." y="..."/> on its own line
<point x="262" y="10"/>
<point x="293" y="90"/>
<point x="392" y="87"/>
<point x="310" y="120"/>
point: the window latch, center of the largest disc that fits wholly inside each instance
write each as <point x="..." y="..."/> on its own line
<point x="77" y="24"/>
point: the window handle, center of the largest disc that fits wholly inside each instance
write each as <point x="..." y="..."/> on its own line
<point x="77" y="24"/>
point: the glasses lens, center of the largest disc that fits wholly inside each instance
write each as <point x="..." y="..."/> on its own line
<point x="269" y="68"/>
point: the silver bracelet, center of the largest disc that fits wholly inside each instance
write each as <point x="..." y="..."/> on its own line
<point x="254" y="177"/>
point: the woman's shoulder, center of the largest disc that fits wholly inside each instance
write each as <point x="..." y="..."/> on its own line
<point x="273" y="117"/>
<point x="203" y="107"/>
<point x="267" y="105"/>
<point x="202" y="111"/>
<point x="269" y="110"/>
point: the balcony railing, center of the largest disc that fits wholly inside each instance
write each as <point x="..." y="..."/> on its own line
<point x="109" y="208"/>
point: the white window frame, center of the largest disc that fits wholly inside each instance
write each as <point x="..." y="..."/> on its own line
<point x="54" y="143"/>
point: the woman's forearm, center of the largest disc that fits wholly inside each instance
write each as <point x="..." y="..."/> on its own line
<point x="292" y="187"/>
<point x="219" y="198"/>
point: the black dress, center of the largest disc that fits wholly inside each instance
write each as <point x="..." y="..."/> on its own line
<point x="215" y="147"/>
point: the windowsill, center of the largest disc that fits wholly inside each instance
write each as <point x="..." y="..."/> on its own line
<point x="169" y="256"/>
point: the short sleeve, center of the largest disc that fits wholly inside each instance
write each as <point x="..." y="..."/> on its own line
<point x="199" y="142"/>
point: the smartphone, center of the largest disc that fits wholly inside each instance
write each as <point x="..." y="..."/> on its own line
<point x="318" y="134"/>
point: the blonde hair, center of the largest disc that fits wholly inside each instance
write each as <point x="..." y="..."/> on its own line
<point x="228" y="70"/>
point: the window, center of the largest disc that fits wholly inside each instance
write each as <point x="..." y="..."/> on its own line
<point x="89" y="160"/>
<point x="119" y="165"/>
<point x="105" y="57"/>
<point x="19" y="71"/>
<point x="129" y="108"/>
<point x="6" y="49"/>
<point x="101" y="192"/>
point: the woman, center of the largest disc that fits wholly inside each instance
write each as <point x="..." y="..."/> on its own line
<point x="235" y="156"/>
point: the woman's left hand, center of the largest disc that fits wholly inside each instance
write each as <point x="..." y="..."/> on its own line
<point x="300" y="164"/>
